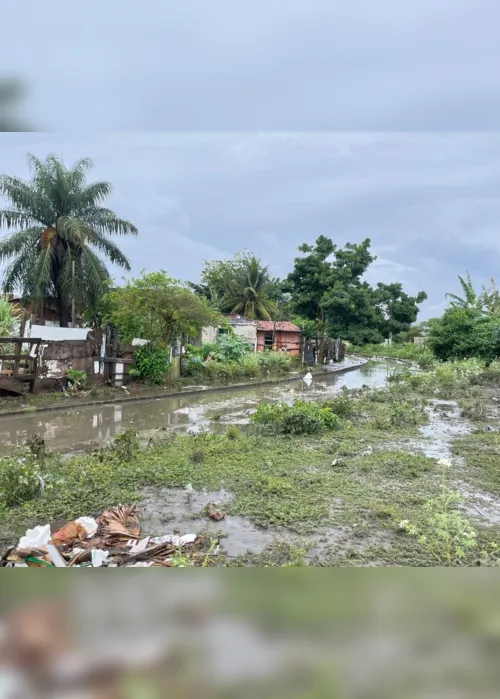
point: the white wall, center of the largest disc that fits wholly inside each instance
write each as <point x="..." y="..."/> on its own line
<point x="248" y="333"/>
<point x="209" y="335"/>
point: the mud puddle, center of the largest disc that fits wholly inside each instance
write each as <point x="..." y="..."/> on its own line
<point x="168" y="510"/>
<point x="80" y="428"/>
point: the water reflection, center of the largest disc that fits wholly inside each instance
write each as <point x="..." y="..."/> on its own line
<point x="76" y="428"/>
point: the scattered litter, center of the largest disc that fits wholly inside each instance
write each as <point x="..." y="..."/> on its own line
<point x="111" y="540"/>
<point x="213" y="513"/>
<point x="39" y="536"/>
<point x="99" y="557"/>
<point x="89" y="523"/>
<point x="56" y="557"/>
<point x="139" y="546"/>
<point x="189" y="488"/>
<point x="308" y="379"/>
<point x="174" y="540"/>
<point x="69" y="534"/>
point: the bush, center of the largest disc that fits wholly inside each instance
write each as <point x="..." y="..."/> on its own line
<point x="462" y="333"/>
<point x="342" y="405"/>
<point x="151" y="362"/>
<point x="249" y="364"/>
<point x="20" y="480"/>
<point x="77" y="380"/>
<point x="300" y="418"/>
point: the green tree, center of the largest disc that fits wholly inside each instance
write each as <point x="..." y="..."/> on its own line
<point x="398" y="310"/>
<point x="465" y="332"/>
<point x="326" y="287"/>
<point x="157" y="308"/>
<point x="247" y="292"/>
<point x="61" y="230"/>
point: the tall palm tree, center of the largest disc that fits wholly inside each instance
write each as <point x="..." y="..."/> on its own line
<point x="61" y="226"/>
<point x="470" y="298"/>
<point x="247" y="292"/>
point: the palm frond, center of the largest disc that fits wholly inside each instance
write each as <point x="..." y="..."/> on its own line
<point x="110" y="249"/>
<point x="106" y="221"/>
<point x="19" y="243"/>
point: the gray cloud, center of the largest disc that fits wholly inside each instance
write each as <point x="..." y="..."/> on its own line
<point x="430" y="203"/>
<point x="265" y="65"/>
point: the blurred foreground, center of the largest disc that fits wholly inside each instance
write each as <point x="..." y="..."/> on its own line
<point x="11" y="101"/>
<point x="301" y="633"/>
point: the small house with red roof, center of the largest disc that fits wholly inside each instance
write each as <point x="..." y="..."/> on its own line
<point x="281" y="335"/>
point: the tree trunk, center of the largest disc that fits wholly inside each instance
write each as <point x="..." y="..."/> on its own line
<point x="63" y="314"/>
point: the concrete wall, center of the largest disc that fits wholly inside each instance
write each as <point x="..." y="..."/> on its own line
<point x="247" y="332"/>
<point x="57" y="357"/>
<point x="209" y="335"/>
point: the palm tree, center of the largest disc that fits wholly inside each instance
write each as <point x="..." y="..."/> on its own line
<point x="61" y="226"/>
<point x="247" y="292"/>
<point x="470" y="299"/>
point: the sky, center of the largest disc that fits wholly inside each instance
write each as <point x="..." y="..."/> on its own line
<point x="263" y="125"/>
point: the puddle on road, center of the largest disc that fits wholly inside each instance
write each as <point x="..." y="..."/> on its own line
<point x="78" y="428"/>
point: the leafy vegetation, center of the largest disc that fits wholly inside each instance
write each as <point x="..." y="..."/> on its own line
<point x="230" y="358"/>
<point x="157" y="308"/>
<point x="327" y="287"/>
<point x="151" y="362"/>
<point x="465" y="332"/>
<point x="77" y="379"/>
<point x="61" y="228"/>
<point x="241" y="285"/>
<point x="299" y="418"/>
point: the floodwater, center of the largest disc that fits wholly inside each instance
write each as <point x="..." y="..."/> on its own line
<point x="81" y="427"/>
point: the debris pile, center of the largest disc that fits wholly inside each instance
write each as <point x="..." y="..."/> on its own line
<point x="111" y="540"/>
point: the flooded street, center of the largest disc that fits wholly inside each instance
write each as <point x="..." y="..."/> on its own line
<point x="79" y="427"/>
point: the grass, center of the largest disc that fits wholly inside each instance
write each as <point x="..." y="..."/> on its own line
<point x="407" y="350"/>
<point x="349" y="487"/>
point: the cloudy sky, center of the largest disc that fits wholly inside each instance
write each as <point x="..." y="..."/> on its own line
<point x="225" y="125"/>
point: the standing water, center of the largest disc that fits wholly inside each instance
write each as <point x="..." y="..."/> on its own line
<point x="78" y="427"/>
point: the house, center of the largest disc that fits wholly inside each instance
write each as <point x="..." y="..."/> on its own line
<point x="282" y="335"/>
<point x="245" y="329"/>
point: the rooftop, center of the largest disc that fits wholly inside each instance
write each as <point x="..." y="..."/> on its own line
<point x="281" y="326"/>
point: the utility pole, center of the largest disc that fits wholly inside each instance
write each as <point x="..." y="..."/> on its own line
<point x="73" y="295"/>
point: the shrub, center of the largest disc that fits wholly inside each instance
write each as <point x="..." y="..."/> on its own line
<point x="463" y="333"/>
<point x="151" y="362"/>
<point x="445" y="533"/>
<point x="342" y="405"/>
<point x="77" y="380"/>
<point x="233" y="433"/>
<point x="300" y="418"/>
<point x="20" y="480"/>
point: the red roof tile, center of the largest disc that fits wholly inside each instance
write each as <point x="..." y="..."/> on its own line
<point x="281" y="326"/>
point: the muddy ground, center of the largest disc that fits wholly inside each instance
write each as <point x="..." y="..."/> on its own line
<point x="334" y="499"/>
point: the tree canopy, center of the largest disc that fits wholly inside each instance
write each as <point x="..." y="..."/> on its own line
<point x="241" y="285"/>
<point x="61" y="231"/>
<point x="327" y="287"/>
<point x="157" y="308"/>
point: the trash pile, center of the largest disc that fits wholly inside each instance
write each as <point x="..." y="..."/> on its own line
<point x="111" y="540"/>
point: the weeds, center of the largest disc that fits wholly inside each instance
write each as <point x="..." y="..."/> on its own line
<point x="299" y="418"/>
<point x="446" y="534"/>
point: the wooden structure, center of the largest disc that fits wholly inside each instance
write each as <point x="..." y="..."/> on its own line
<point x="16" y="368"/>
<point x="279" y="335"/>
